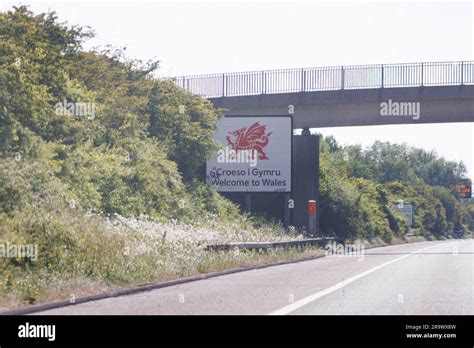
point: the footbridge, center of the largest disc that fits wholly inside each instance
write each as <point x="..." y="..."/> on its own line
<point x="358" y="95"/>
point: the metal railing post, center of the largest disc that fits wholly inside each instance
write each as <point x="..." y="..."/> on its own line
<point x="263" y="83"/>
<point x="342" y="77"/>
<point x="462" y="73"/>
<point x="223" y="85"/>
<point x="303" y="80"/>
<point x="382" y="76"/>
<point x="422" y="77"/>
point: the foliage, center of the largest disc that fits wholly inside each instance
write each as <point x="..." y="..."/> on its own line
<point x="140" y="149"/>
<point x="359" y="189"/>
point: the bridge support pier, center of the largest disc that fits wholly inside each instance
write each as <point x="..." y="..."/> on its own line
<point x="305" y="177"/>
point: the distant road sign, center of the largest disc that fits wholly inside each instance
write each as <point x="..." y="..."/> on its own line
<point x="463" y="190"/>
<point x="255" y="156"/>
<point x="407" y="210"/>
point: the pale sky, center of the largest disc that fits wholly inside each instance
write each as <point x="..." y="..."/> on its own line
<point x="197" y="37"/>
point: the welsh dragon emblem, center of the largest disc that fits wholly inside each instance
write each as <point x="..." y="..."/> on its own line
<point x="250" y="138"/>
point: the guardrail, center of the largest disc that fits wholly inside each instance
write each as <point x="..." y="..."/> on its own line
<point x="272" y="245"/>
<point x="329" y="78"/>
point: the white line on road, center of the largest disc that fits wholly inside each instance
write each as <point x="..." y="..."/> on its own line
<point x="304" y="301"/>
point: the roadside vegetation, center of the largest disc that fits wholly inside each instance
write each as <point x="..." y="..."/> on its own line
<point x="361" y="187"/>
<point x="101" y="168"/>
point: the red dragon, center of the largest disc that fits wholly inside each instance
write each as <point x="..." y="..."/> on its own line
<point x="250" y="138"/>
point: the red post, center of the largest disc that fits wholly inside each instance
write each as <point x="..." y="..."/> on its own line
<point x="312" y="218"/>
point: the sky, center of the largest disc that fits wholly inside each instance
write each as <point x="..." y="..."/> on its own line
<point x="197" y="37"/>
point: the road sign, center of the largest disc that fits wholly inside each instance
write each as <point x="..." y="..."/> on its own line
<point x="463" y="190"/>
<point x="407" y="210"/>
<point x="255" y="154"/>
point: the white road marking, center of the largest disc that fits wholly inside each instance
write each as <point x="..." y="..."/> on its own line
<point x="304" y="301"/>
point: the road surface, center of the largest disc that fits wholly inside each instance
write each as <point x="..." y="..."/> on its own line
<point x="419" y="278"/>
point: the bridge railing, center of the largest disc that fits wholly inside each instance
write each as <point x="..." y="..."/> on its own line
<point x="329" y="78"/>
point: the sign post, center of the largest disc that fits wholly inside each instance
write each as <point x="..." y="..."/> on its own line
<point x="286" y="210"/>
<point x="248" y="202"/>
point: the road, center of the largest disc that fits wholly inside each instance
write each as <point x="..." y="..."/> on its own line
<point x="419" y="278"/>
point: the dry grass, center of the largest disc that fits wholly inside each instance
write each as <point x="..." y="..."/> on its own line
<point x="144" y="252"/>
<point x="78" y="287"/>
